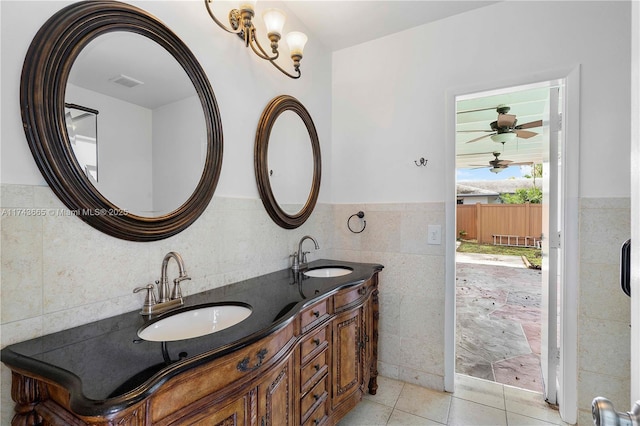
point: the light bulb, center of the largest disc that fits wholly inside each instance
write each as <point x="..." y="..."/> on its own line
<point x="503" y="137"/>
<point x="296" y="41"/>
<point x="248" y="5"/>
<point x="274" y="21"/>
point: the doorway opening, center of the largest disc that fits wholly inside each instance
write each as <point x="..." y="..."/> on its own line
<point x="507" y="205"/>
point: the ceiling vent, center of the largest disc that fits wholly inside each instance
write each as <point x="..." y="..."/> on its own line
<point x="126" y="81"/>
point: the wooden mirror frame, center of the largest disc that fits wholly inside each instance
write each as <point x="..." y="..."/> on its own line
<point x="42" y="90"/>
<point x="277" y="106"/>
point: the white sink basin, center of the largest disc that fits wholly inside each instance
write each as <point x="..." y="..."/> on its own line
<point x="194" y="323"/>
<point x="328" y="272"/>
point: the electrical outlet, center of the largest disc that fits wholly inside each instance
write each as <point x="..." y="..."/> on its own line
<point x="434" y="234"/>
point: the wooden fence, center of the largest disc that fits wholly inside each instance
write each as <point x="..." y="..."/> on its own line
<point x="482" y="222"/>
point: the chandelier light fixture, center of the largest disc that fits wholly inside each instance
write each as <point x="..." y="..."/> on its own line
<point x="241" y="23"/>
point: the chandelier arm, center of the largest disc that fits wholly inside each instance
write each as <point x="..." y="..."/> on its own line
<point x="220" y="24"/>
<point x="285" y="72"/>
<point x="262" y="54"/>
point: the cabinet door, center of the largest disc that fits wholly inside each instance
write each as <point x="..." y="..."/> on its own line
<point x="347" y="353"/>
<point x="275" y="396"/>
<point x="235" y="413"/>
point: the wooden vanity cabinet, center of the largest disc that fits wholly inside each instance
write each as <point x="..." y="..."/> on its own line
<point x="310" y="372"/>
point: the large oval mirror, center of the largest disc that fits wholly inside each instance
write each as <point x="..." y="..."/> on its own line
<point x="121" y="120"/>
<point x="287" y="161"/>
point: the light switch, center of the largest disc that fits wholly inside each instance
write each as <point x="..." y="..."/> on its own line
<point x="435" y="234"/>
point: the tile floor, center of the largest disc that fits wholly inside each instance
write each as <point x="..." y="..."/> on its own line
<point x="475" y="402"/>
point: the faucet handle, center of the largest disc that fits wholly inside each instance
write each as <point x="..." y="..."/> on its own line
<point x="304" y="256"/>
<point x="295" y="265"/>
<point x="149" y="300"/>
<point x="176" y="293"/>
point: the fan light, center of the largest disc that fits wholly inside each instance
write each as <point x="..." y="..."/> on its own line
<point x="503" y="137"/>
<point x="496" y="169"/>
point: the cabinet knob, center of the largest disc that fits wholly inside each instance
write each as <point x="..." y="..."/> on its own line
<point x="317" y="367"/>
<point x="362" y="290"/>
<point x="316" y="342"/>
<point x="316" y="397"/>
<point x="316" y="314"/>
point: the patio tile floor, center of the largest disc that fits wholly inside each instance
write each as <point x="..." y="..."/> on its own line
<point x="498" y="320"/>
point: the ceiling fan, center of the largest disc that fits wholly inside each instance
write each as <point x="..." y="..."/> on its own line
<point x="497" y="165"/>
<point x="505" y="128"/>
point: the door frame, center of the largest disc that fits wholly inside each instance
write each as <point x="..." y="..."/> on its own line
<point x="567" y="393"/>
<point x="635" y="203"/>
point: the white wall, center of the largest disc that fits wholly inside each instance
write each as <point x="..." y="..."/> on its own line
<point x="179" y="152"/>
<point x="389" y="94"/>
<point x="122" y="127"/>
<point x="389" y="108"/>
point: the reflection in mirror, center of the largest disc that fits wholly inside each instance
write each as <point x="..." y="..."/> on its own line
<point x="287" y="161"/>
<point x="82" y="128"/>
<point x="152" y="129"/>
<point x="289" y="158"/>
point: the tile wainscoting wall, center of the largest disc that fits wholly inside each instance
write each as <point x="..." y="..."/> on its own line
<point x="412" y="285"/>
<point x="57" y="272"/>
<point x="603" y="309"/>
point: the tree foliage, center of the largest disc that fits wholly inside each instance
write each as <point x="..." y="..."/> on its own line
<point x="531" y="195"/>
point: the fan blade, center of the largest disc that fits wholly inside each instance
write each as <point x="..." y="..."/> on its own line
<point x="505" y="162"/>
<point x="506" y="120"/>
<point x="530" y="125"/>
<point x="525" y="134"/>
<point x="474" y="131"/>
<point x="481" y="137"/>
<point x="523" y="163"/>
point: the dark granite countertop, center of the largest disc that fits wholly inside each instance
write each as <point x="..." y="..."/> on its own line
<point x="106" y="367"/>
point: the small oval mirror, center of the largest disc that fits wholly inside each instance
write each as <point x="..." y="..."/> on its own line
<point x="287" y="161"/>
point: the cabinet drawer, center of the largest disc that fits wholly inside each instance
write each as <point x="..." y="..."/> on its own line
<point x="202" y="382"/>
<point x="313" y="344"/>
<point x="316" y="396"/>
<point x="313" y="371"/>
<point x="349" y="296"/>
<point x="314" y="314"/>
<point x="319" y="415"/>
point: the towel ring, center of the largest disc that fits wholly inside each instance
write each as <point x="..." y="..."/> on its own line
<point x="360" y="214"/>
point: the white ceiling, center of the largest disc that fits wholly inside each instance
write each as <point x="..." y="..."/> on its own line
<point x="128" y="54"/>
<point x="339" y="24"/>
